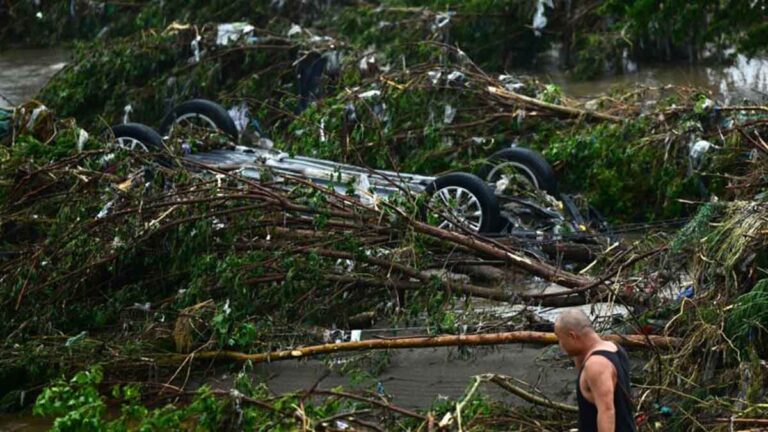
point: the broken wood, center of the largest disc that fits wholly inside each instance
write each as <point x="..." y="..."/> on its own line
<point x="486" y="247"/>
<point x="575" y="112"/>
<point x="630" y="341"/>
<point x="503" y="382"/>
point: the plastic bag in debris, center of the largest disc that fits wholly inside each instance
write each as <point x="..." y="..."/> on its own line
<point x="511" y="83"/>
<point x="34" y="118"/>
<point x="240" y="116"/>
<point x="231" y="32"/>
<point x="456" y="77"/>
<point x="442" y="19"/>
<point x="294" y="30"/>
<point x="449" y="114"/>
<point x="363" y="191"/>
<point x="539" y="19"/>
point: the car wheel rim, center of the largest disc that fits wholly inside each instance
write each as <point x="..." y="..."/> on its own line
<point x="513" y="170"/>
<point x="457" y="206"/>
<point x="131" y="144"/>
<point x="194" y="120"/>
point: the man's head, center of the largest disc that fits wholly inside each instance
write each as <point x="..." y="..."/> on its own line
<point x="574" y="332"/>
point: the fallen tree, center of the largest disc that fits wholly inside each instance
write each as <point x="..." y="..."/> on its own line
<point x="630" y="341"/>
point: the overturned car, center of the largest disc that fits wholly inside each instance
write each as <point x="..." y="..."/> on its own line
<point x="515" y="190"/>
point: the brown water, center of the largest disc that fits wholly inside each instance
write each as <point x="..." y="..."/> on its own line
<point x="24" y="422"/>
<point x="24" y="71"/>
<point x="744" y="79"/>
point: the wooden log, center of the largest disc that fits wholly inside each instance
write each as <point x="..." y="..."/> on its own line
<point x="503" y="382"/>
<point x="630" y="341"/>
<point x="537" y="268"/>
<point x="574" y="112"/>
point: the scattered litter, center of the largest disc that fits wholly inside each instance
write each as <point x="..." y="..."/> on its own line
<point x="144" y="307"/>
<point x="510" y="83"/>
<point x="449" y="115"/>
<point x="539" y="19"/>
<point x="195" y="45"/>
<point x="75" y="339"/>
<point x="82" y="138"/>
<point x="232" y="32"/>
<point x="457" y="77"/>
<point x="104" y="210"/>
<point x="240" y="116"/>
<point x="369" y="94"/>
<point x="435" y="76"/>
<point x="442" y="19"/>
<point x="127" y="110"/>
<point x="294" y="30"/>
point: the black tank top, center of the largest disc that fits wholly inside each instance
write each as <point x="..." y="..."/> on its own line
<point x="625" y="421"/>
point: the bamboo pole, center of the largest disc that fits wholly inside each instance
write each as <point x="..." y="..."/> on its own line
<point x="632" y="341"/>
<point x="576" y="112"/>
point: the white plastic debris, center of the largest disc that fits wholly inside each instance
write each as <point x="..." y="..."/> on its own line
<point x="442" y="19"/>
<point x="539" y="19"/>
<point x="363" y="193"/>
<point x="294" y="30"/>
<point x="367" y="64"/>
<point x="510" y="82"/>
<point x="144" y="307"/>
<point x="104" y="210"/>
<point x="127" y="110"/>
<point x="231" y="32"/>
<point x="82" y="138"/>
<point x="195" y="45"/>
<point x="449" y="114"/>
<point x="323" y="138"/>
<point x="456" y="76"/>
<point x="75" y="339"/>
<point x="39" y="15"/>
<point x="435" y="76"/>
<point x="502" y="184"/>
<point x="37" y="112"/>
<point x="369" y="94"/>
<point x="227" y="310"/>
<point x="699" y="148"/>
<point x="354" y="335"/>
<point x="240" y="116"/>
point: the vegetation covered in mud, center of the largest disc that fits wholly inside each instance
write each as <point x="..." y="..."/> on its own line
<point x="126" y="275"/>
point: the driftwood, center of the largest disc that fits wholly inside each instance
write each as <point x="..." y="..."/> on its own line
<point x="632" y="341"/>
<point x="497" y="251"/>
<point x="503" y="382"/>
<point x="575" y="112"/>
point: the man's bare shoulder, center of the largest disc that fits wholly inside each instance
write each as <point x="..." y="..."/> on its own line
<point x="597" y="365"/>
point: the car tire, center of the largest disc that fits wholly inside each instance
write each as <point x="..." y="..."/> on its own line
<point x="136" y="136"/>
<point x="208" y="111"/>
<point x="455" y="186"/>
<point x="532" y="164"/>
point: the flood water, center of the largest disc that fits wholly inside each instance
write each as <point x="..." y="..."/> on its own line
<point x="744" y="79"/>
<point x="23" y="72"/>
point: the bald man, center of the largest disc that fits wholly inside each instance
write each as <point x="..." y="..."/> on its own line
<point x="602" y="388"/>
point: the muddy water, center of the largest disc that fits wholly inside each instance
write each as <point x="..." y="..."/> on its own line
<point x="24" y="71"/>
<point x="744" y="79"/>
<point x="415" y="378"/>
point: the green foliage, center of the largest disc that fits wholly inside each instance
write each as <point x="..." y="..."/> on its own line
<point x="695" y="230"/>
<point x="76" y="403"/>
<point x="622" y="174"/>
<point x="747" y="322"/>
